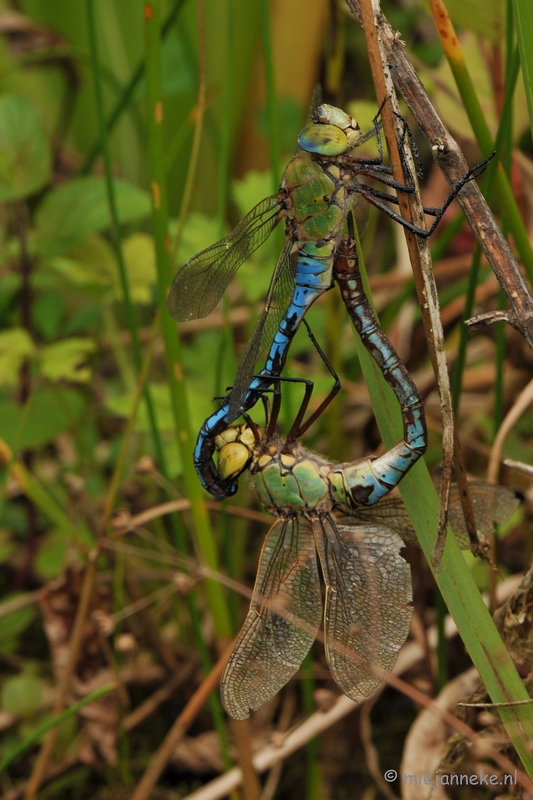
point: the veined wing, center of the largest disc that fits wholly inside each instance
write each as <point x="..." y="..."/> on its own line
<point x="279" y="294"/>
<point x="200" y="283"/>
<point x="368" y="602"/>
<point x="282" y="622"/>
<point x="491" y="503"/>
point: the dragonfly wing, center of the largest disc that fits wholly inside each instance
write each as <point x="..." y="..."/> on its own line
<point x="200" y="283"/>
<point x="391" y="512"/>
<point x="368" y="603"/>
<point x="281" y="624"/>
<point x="491" y="503"/>
<point x="279" y="295"/>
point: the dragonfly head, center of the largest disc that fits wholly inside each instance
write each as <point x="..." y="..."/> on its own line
<point x="235" y="450"/>
<point x="332" y="132"/>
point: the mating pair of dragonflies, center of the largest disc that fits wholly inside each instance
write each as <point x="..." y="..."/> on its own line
<point x="321" y="507"/>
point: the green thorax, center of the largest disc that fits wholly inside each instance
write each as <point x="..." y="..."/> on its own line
<point x="290" y="481"/>
<point x="317" y="197"/>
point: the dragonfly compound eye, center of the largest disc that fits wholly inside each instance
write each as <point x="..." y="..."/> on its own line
<point x="327" y="140"/>
<point x="233" y="458"/>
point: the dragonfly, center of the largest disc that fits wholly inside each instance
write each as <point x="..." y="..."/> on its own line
<point x="320" y="186"/>
<point x="320" y="508"/>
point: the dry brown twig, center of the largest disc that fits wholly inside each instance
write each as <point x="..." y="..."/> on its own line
<point x="412" y="210"/>
<point x="451" y="161"/>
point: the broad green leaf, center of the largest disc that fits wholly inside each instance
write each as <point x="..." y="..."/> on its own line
<point x="25" y="157"/>
<point x="121" y="406"/>
<point x="65" y="360"/>
<point x="16" y="345"/>
<point x="250" y="190"/>
<point x="198" y="233"/>
<point x="12" y="625"/>
<point x="51" y="558"/>
<point x="79" y="208"/>
<point x="7" y="545"/>
<point x="22" y="695"/>
<point x="90" y="265"/>
<point x="139" y="255"/>
<point x="42" y="418"/>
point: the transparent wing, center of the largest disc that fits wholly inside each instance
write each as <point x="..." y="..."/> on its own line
<point x="281" y="624"/>
<point x="491" y="503"/>
<point x="277" y="302"/>
<point x="368" y="603"/>
<point x="200" y="283"/>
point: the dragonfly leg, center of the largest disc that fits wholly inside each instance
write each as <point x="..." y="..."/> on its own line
<point x="298" y="429"/>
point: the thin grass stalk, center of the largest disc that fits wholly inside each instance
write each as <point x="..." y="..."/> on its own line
<point x="42" y="499"/>
<point x="271" y="102"/>
<point x="489" y="185"/>
<point x="216" y="597"/>
<point x="115" y="230"/>
<point x="175" y="374"/>
<point x="226" y="355"/>
<point x="523" y="18"/>
<point x="128" y="92"/>
<point x="52" y="723"/>
<point x="455" y="582"/>
<point x="509" y="208"/>
<point x="314" y="788"/>
<point x="88" y="584"/>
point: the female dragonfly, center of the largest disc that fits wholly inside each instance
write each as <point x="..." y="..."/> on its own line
<point x="319" y="187"/>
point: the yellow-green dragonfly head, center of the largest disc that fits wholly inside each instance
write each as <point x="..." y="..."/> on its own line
<point x="235" y="450"/>
<point x="332" y="132"/>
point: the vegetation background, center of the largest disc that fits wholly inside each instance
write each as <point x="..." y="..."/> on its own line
<point x="96" y="432"/>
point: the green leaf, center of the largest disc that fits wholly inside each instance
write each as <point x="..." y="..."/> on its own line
<point x="65" y="360"/>
<point x="12" y="625"/>
<point x="42" y="418"/>
<point x="51" y="558"/>
<point x="25" y="157"/>
<point x="22" y="695"/>
<point x="79" y="208"/>
<point x="16" y="345"/>
<point x="198" y="233"/>
<point x="523" y="13"/>
<point x="139" y="257"/>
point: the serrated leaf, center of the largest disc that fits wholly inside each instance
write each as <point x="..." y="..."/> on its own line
<point x="80" y="208"/>
<point x="42" y="418"/>
<point x="25" y="157"/>
<point x="65" y="360"/>
<point x="16" y="345"/>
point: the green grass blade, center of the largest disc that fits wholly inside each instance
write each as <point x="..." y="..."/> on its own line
<point x="508" y="205"/>
<point x="36" y="735"/>
<point x="175" y="374"/>
<point x="523" y="15"/>
<point x="456" y="584"/>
